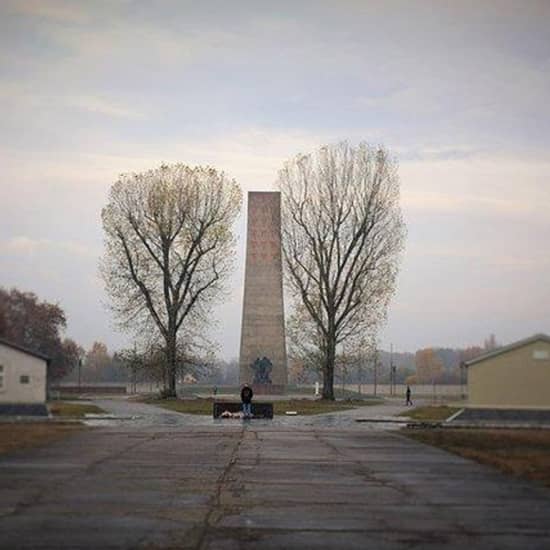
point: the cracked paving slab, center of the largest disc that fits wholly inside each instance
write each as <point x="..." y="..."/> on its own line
<point x="259" y="485"/>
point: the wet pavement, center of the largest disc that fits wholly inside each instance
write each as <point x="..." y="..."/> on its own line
<point x="136" y="415"/>
<point x="163" y="481"/>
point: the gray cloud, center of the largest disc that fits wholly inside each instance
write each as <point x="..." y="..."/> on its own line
<point x="458" y="92"/>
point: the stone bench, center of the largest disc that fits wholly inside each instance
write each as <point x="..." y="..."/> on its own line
<point x="259" y="410"/>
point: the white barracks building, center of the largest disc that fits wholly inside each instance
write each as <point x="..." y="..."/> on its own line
<point x="22" y="375"/>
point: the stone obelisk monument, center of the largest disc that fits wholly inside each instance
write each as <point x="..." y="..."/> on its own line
<point x="263" y="350"/>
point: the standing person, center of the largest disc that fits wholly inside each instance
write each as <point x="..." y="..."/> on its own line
<point x="246" y="398"/>
<point x="408" y="395"/>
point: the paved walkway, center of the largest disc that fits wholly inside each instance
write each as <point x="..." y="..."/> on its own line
<point x="261" y="486"/>
<point x="135" y="415"/>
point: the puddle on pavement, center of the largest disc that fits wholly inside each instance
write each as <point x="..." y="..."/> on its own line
<point x="324" y="421"/>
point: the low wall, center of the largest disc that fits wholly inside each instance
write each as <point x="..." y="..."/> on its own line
<point x="260" y="410"/>
<point x="22" y="409"/>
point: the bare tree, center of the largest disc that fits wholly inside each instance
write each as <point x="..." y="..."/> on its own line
<point x="168" y="246"/>
<point x="429" y="367"/>
<point x="302" y="336"/>
<point x="342" y="237"/>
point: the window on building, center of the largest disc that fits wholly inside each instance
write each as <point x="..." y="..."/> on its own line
<point x="541" y="354"/>
<point x="24" y="379"/>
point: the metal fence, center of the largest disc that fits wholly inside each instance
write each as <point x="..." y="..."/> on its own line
<point x="419" y="390"/>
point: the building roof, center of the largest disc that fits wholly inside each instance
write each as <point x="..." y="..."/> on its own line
<point x="24" y="350"/>
<point x="510" y="347"/>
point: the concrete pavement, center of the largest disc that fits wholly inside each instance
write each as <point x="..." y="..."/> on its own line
<point x="261" y="486"/>
<point x="136" y="415"/>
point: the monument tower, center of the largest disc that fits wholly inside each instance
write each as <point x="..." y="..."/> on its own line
<point x="262" y="361"/>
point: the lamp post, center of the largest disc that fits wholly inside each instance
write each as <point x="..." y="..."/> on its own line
<point x="359" y="375"/>
<point x="343" y="379"/>
<point x="392" y="371"/>
<point x="375" y="369"/>
<point x="462" y="371"/>
<point x="79" y="373"/>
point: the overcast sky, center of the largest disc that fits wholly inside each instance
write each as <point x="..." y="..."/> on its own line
<point x="459" y="91"/>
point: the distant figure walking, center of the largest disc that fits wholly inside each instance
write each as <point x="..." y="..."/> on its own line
<point x="408" y="396"/>
<point x="246" y="398"/>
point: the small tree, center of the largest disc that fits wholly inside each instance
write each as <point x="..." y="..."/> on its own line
<point x="96" y="362"/>
<point x="39" y="326"/>
<point x="168" y="247"/>
<point x="342" y="233"/>
<point x="429" y="366"/>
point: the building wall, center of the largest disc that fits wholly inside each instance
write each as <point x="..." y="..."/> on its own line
<point x="514" y="379"/>
<point x="16" y="364"/>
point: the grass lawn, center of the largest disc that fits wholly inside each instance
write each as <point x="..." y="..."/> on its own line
<point x="24" y="436"/>
<point x="192" y="390"/>
<point x="523" y="453"/>
<point x="62" y="408"/>
<point x="317" y="406"/>
<point x="431" y="412"/>
<point x="301" y="406"/>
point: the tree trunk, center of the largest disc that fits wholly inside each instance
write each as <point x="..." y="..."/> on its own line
<point x="328" y="371"/>
<point x="171" y="358"/>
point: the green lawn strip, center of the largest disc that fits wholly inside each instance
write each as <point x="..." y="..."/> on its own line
<point x="318" y="406"/>
<point x="300" y="406"/>
<point x="62" y="408"/>
<point x="430" y="412"/>
<point x="520" y="452"/>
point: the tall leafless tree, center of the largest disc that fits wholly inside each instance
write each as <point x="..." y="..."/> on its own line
<point x="168" y="245"/>
<point x="343" y="233"/>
